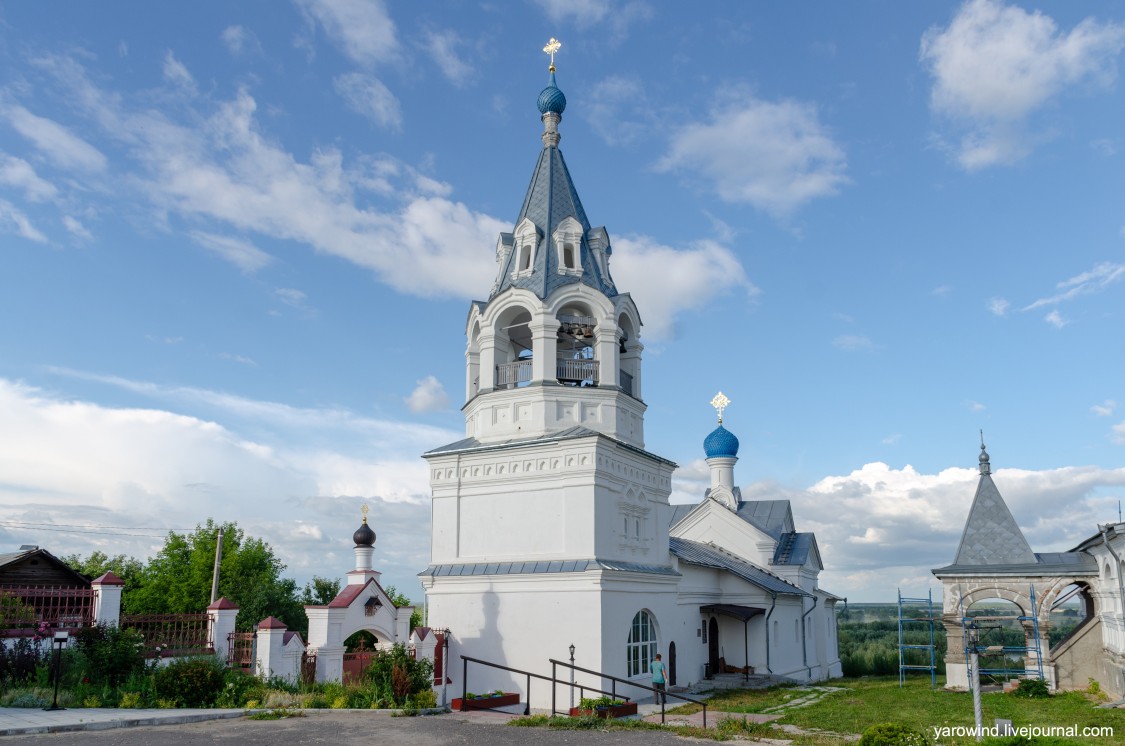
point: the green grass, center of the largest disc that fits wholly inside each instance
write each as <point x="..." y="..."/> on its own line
<point x="276" y="715"/>
<point x="867" y="701"/>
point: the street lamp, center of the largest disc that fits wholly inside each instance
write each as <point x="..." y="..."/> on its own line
<point x="58" y="643"/>
<point x="444" y="665"/>
<point x="571" y="677"/>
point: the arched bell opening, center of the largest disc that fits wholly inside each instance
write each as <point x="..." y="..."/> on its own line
<point x="472" y="360"/>
<point x="576" y="361"/>
<point x="629" y="357"/>
<point x="514" y="354"/>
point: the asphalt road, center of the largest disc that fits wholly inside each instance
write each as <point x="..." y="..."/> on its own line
<point x="343" y="729"/>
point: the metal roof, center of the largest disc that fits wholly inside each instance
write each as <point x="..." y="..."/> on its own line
<point x="774" y="517"/>
<point x="543" y="566"/>
<point x="466" y="445"/>
<point x="551" y="198"/>
<point x="709" y="555"/>
<point x="1048" y="564"/>
<point x="732" y="610"/>
<point x="793" y="548"/>
<point x="991" y="535"/>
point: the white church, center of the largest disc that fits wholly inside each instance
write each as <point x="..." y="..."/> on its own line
<point x="551" y="524"/>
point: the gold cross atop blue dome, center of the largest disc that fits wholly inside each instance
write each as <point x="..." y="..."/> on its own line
<point x="721" y="443"/>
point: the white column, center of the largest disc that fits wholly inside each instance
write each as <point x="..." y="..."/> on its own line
<point x="107" y="598"/>
<point x="544" y="348"/>
<point x="221" y="617"/>
<point x="271" y="649"/>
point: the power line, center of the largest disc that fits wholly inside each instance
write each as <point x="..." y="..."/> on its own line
<point x="95" y="525"/>
<point x="79" y="531"/>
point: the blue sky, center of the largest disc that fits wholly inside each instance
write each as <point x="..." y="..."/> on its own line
<point x="238" y="241"/>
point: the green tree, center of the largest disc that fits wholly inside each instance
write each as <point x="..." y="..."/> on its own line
<point x="320" y="591"/>
<point x="129" y="569"/>
<point x="401" y="599"/>
<point x="178" y="579"/>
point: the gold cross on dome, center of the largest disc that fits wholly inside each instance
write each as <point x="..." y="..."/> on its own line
<point x="720" y="402"/>
<point x="364" y="510"/>
<point x="552" y="46"/>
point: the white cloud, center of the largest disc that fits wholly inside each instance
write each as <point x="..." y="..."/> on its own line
<point x="243" y="254"/>
<point x="12" y="220"/>
<point x="239" y="40"/>
<point x="852" y="342"/>
<point x="892" y="439"/>
<point x="1105" y="409"/>
<point x="76" y="228"/>
<point x="617" y="109"/>
<point x="774" y="156"/>
<point x="882" y="515"/>
<point x="665" y="281"/>
<point x="240" y="359"/>
<point x="77" y="462"/>
<point x="995" y="64"/>
<point x="581" y="12"/>
<point x="586" y="13"/>
<point x="1055" y="319"/>
<point x="1119" y="433"/>
<point x="220" y="169"/>
<point x="18" y="173"/>
<point x="368" y="96"/>
<point x="291" y="297"/>
<point x="975" y="406"/>
<point x="998" y="306"/>
<point x="1088" y="283"/>
<point x="176" y="73"/>
<point x="363" y="28"/>
<point x="428" y="396"/>
<point x="942" y="291"/>
<point x="55" y="142"/>
<point x="444" y="47"/>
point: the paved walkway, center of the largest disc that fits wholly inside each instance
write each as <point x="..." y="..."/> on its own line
<point x="29" y="720"/>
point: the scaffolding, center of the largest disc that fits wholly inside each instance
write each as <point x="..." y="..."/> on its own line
<point x="975" y="631"/>
<point x="927" y="623"/>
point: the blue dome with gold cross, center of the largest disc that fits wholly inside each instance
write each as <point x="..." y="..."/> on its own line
<point x="720" y="443"/>
<point x="551" y="99"/>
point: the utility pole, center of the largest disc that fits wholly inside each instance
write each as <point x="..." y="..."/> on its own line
<point x="218" y="561"/>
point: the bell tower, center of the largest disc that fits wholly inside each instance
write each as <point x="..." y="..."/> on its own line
<point x="555" y="345"/>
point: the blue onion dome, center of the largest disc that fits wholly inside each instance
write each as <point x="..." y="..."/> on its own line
<point x="364" y="536"/>
<point x="720" y="443"/>
<point x="551" y="99"/>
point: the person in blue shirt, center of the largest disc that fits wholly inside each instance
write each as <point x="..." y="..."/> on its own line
<point x="659" y="677"/>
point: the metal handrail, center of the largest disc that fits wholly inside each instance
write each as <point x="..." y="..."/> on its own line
<point x="527" y="707"/>
<point x="615" y="679"/>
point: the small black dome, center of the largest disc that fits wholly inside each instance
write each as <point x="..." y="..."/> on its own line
<point x="364" y="536"/>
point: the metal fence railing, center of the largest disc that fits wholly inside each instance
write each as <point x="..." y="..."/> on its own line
<point x="23" y="608"/>
<point x="172" y="634"/>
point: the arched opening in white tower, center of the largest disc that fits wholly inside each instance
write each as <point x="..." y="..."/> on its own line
<point x="513" y="349"/>
<point x="576" y="360"/>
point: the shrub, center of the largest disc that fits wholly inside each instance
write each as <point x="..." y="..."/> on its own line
<point x="18" y="663"/>
<point x="190" y="682"/>
<point x="239" y="688"/>
<point x="892" y="734"/>
<point x="424" y="700"/>
<point x="93" y="701"/>
<point x="397" y="673"/>
<point x="112" y="653"/>
<point x="130" y="701"/>
<point x="35" y="697"/>
<point x="1032" y="688"/>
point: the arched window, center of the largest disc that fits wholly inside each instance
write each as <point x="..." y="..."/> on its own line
<point x="568" y="256"/>
<point x="641" y="648"/>
<point x="525" y="258"/>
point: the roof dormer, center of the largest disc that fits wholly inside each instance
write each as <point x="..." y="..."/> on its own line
<point x="525" y="242"/>
<point x="568" y="244"/>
